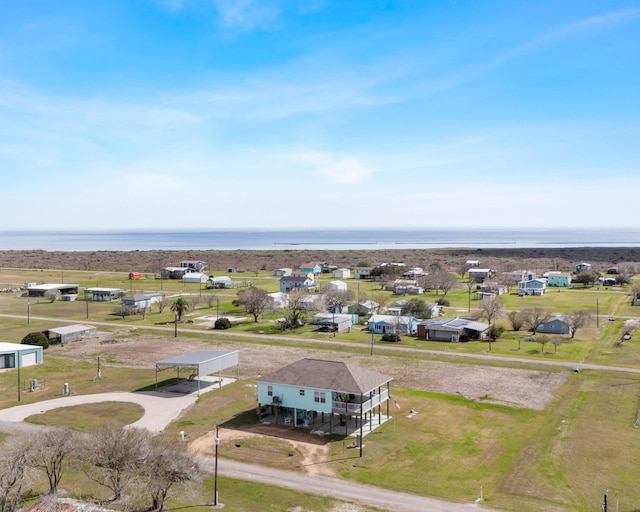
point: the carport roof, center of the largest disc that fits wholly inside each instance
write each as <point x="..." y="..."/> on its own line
<point x="196" y="358"/>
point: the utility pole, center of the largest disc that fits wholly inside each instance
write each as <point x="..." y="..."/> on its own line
<point x="215" y="471"/>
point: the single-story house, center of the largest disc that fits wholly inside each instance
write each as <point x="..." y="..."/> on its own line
<point x="452" y="329"/>
<point x="583" y="266"/>
<point x="532" y="287"/>
<point x="472" y="263"/>
<point x="513" y="277"/>
<point x="555" y="325"/>
<point x="16" y="355"/>
<point x="288" y="283"/>
<point x="282" y="272"/>
<point x="335" y="322"/>
<point x="362" y="272"/>
<point x="174" y="272"/>
<point x="382" y="324"/>
<point x="613" y="270"/>
<point x="103" y="294"/>
<point x="366" y="308"/>
<point x="61" y="289"/>
<point x="222" y="282"/>
<point x="558" y="279"/>
<point x="313" y="268"/>
<point x="399" y="285"/>
<point x="193" y="265"/>
<point x="477" y="275"/>
<point x="341" y="273"/>
<point x="69" y="333"/>
<point x="339" y="286"/>
<point x="195" y="277"/>
<point x="311" y="392"/>
<point x="280" y="299"/>
<point x="492" y="288"/>
<point x="142" y="300"/>
<point x="413" y="273"/>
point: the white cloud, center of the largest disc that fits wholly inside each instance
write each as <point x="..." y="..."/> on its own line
<point x="343" y="170"/>
<point x="248" y="14"/>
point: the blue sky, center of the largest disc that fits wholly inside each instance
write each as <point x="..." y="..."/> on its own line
<point x="130" y="114"/>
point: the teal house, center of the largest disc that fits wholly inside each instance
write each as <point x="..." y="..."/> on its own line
<point x="310" y="268"/>
<point x="558" y="279"/>
<point x="324" y="395"/>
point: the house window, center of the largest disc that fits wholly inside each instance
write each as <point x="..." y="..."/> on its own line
<point x="269" y="390"/>
<point x="319" y="397"/>
<point x="301" y="392"/>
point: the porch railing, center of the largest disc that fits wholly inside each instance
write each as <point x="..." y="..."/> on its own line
<point x="353" y="408"/>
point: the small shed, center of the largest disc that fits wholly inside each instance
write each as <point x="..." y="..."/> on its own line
<point x="103" y="294"/>
<point x="16" y="355"/>
<point x="339" y="286"/>
<point x="69" y="333"/>
<point x="335" y="322"/>
<point x="195" y="277"/>
<point x="141" y="300"/>
<point x="282" y="272"/>
<point x="341" y="273"/>
<point x="201" y="363"/>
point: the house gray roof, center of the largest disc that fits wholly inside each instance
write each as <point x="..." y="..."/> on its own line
<point x="456" y="324"/>
<point x="330" y="375"/>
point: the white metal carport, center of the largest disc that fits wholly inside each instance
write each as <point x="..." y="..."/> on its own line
<point x="206" y="362"/>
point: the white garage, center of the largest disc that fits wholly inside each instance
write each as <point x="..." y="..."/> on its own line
<point x="14" y="355"/>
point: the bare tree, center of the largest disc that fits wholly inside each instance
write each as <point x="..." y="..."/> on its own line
<point x="630" y="326"/>
<point x="336" y="300"/>
<point x="125" y="311"/>
<point x="255" y="301"/>
<point x="491" y="308"/>
<point x="163" y="468"/>
<point x="211" y="298"/>
<point x="462" y="269"/>
<point x="557" y="341"/>
<point x="543" y="340"/>
<point x="109" y="456"/>
<point x="296" y="310"/>
<point x="162" y="303"/>
<point x="53" y="447"/>
<point x="516" y="319"/>
<point x="15" y="461"/>
<point x="535" y="317"/>
<point x="194" y="301"/>
<point x="446" y="282"/>
<point x="578" y="320"/>
<point x="635" y="294"/>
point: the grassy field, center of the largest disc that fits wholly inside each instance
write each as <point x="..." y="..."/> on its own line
<point x="561" y="458"/>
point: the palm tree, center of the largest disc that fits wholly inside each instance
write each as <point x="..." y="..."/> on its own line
<point x="179" y="307"/>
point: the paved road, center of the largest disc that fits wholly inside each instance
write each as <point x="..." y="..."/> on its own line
<point x="162" y="408"/>
<point x="336" y="488"/>
<point x="378" y="348"/>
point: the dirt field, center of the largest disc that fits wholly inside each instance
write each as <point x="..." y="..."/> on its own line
<point x="519" y="388"/>
<point x="511" y="387"/>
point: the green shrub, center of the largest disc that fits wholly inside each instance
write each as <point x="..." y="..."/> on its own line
<point x="391" y="336"/>
<point x="36" y="338"/>
<point x="222" y="323"/>
<point x="443" y="302"/>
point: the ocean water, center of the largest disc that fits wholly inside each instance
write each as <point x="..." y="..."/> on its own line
<point x="316" y="239"/>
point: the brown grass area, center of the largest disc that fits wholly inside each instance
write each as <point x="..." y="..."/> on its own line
<point x="253" y="260"/>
